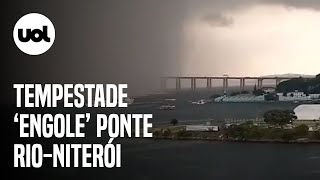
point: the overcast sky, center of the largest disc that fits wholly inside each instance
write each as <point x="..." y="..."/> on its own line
<point x="136" y="42"/>
<point x="251" y="37"/>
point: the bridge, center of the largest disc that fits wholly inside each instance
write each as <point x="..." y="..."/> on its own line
<point x="224" y="79"/>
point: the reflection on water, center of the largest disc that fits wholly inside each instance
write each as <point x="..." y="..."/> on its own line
<point x="190" y="160"/>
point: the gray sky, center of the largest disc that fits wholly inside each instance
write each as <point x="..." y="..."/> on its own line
<point x="138" y="41"/>
<point x="251" y="37"/>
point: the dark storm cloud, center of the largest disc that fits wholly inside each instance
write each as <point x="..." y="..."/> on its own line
<point x="218" y="20"/>
<point x="112" y="41"/>
<point x="307" y="4"/>
<point x="219" y="6"/>
<point x="132" y="42"/>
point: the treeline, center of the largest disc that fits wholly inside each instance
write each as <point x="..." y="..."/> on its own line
<point x="306" y="85"/>
<point x="248" y="131"/>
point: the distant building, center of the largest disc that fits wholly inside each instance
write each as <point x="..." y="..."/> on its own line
<point x="314" y="96"/>
<point x="296" y="94"/>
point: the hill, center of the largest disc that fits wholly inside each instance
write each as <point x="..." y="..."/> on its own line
<point x="306" y="85"/>
<point x="290" y="75"/>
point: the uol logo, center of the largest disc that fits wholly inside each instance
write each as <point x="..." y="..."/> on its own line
<point x="34" y="34"/>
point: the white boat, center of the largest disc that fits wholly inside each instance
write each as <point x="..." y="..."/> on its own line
<point x="129" y="100"/>
<point x="200" y="102"/>
<point x="167" y="107"/>
<point x="170" y="99"/>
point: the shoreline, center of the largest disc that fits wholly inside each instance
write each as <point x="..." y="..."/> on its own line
<point x="264" y="141"/>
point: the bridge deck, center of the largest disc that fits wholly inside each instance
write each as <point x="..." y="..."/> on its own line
<point x="223" y="77"/>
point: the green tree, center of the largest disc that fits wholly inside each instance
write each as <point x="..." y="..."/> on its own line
<point x="183" y="133"/>
<point x="285" y="93"/>
<point x="301" y="130"/>
<point x="279" y="117"/>
<point x="271" y="97"/>
<point x="234" y="93"/>
<point x="166" y="132"/>
<point x="174" y="122"/>
<point x="244" y="92"/>
<point x="287" y="135"/>
<point x="316" y="135"/>
<point x="306" y="85"/>
<point x="156" y="133"/>
<point x="257" y="92"/>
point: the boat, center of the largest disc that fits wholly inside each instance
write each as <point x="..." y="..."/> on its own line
<point x="200" y="102"/>
<point x="167" y="107"/>
<point x="170" y="99"/>
<point x="129" y="100"/>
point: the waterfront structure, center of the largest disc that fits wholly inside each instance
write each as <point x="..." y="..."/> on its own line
<point x="201" y="128"/>
<point x="240" y="98"/>
<point x="308" y="112"/>
<point x="301" y="97"/>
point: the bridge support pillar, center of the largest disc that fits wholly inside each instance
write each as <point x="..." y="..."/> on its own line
<point x="178" y="83"/>
<point x="260" y="83"/>
<point x="193" y="83"/>
<point x="209" y="83"/>
<point x="242" y="84"/>
<point x="225" y="84"/>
